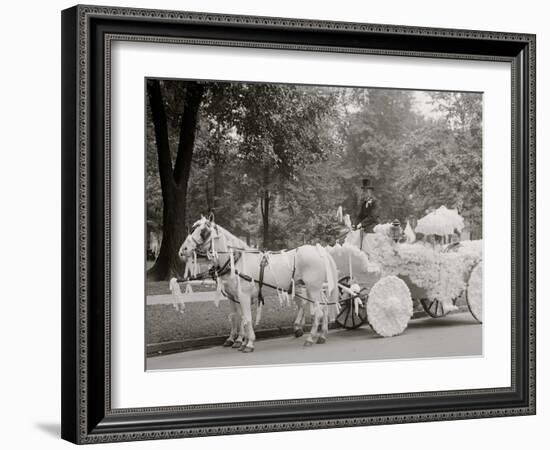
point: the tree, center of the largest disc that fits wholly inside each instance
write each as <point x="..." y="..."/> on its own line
<point x="229" y="130"/>
<point x="446" y="159"/>
<point x="173" y="177"/>
<point x="275" y="161"/>
<point x="277" y="128"/>
<point x="374" y="131"/>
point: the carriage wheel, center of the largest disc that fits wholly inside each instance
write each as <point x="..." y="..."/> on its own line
<point x="347" y="318"/>
<point x="474" y="292"/>
<point x="434" y="308"/>
<point x="390" y="306"/>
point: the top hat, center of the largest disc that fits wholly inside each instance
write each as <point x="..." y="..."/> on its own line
<point x="366" y="184"/>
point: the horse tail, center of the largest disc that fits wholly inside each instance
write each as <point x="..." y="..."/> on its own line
<point x="349" y="260"/>
<point x="334" y="295"/>
<point x="327" y="261"/>
<point x="258" y="313"/>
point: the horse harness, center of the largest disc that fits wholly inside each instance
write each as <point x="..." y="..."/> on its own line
<point x="263" y="263"/>
<point x="216" y="271"/>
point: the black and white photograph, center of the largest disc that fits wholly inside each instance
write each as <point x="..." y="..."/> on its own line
<point x="300" y="224"/>
<point x="275" y="225"/>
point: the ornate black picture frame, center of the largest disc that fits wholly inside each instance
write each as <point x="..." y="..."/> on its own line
<point x="87" y="34"/>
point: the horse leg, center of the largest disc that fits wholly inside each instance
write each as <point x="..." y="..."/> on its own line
<point x="246" y="307"/>
<point x="241" y="335"/>
<point x="238" y="333"/>
<point x="231" y="338"/>
<point x="313" y="334"/>
<point x="317" y="314"/>
<point x="234" y="319"/>
<point x="324" y="326"/>
<point x="298" y="323"/>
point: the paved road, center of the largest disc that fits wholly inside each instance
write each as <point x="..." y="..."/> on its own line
<point x="455" y="335"/>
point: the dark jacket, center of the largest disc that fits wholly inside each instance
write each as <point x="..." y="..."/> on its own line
<point x="367" y="217"/>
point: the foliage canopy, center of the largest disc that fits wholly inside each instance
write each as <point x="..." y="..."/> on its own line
<point x="306" y="148"/>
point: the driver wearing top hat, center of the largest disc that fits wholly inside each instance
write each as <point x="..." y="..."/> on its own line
<point x="366" y="219"/>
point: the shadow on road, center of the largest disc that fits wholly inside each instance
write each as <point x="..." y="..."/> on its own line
<point x="448" y="321"/>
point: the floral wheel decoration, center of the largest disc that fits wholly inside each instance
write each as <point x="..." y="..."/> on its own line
<point x="474" y="292"/>
<point x="390" y="307"/>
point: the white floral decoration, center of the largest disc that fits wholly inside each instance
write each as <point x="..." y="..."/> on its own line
<point x="475" y="292"/>
<point x="383" y="229"/>
<point x="389" y="307"/>
<point x="442" y="274"/>
<point x="441" y="222"/>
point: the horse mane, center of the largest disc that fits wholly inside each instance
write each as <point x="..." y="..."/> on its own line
<point x="231" y="239"/>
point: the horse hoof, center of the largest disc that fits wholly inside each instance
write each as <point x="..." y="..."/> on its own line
<point x="237" y="344"/>
<point x="298" y="332"/>
<point x="228" y="343"/>
<point x="247" y="349"/>
<point x="321" y="340"/>
<point x="308" y="344"/>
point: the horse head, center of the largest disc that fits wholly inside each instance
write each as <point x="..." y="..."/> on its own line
<point x="198" y="240"/>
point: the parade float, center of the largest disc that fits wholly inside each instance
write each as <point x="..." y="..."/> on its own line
<point x="437" y="272"/>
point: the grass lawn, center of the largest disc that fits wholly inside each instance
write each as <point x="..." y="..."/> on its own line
<point x="161" y="287"/>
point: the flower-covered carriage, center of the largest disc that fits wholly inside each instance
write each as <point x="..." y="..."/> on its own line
<point x="391" y="279"/>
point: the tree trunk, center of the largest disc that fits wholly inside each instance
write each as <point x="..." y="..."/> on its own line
<point x="216" y="188"/>
<point x="207" y="192"/>
<point x="174" y="232"/>
<point x="265" y="219"/>
<point x="216" y="173"/>
<point x="174" y="182"/>
<point x="264" y="209"/>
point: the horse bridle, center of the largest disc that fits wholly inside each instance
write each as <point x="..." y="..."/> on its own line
<point x="201" y="248"/>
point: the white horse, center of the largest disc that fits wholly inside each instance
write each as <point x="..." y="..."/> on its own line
<point x="352" y="266"/>
<point x="240" y="268"/>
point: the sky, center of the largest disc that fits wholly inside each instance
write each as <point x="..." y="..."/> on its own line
<point x="423" y="106"/>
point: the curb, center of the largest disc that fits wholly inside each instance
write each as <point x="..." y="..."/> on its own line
<point x="163" y="348"/>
